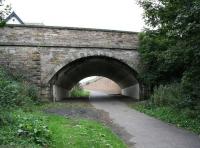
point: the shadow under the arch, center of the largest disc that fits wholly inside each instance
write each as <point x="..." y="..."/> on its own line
<point x="99" y="98"/>
<point x="112" y="97"/>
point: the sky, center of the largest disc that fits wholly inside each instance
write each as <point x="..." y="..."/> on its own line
<point x="102" y="14"/>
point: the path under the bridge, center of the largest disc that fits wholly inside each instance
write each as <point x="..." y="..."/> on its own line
<point x="146" y="131"/>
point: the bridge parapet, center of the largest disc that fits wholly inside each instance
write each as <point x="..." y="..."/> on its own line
<point x="46" y="36"/>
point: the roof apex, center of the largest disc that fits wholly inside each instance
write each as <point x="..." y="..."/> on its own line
<point x="13" y="14"/>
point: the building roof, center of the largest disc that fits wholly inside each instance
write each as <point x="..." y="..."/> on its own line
<point x="13" y="14"/>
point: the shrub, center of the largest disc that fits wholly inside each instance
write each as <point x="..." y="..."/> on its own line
<point x="77" y="91"/>
<point x="22" y="128"/>
<point x="173" y="95"/>
<point x="169" y="48"/>
<point x="191" y="86"/>
<point x="5" y="118"/>
<point x="167" y="95"/>
<point x="34" y="127"/>
<point x="15" y="93"/>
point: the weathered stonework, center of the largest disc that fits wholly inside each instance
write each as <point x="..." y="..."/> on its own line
<point x="39" y="52"/>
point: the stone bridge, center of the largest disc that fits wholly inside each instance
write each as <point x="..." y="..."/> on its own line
<point x="56" y="58"/>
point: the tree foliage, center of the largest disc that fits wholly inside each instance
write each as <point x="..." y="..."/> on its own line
<point x="4" y="11"/>
<point x="170" y="47"/>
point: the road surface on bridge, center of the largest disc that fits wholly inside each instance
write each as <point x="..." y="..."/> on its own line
<point x="146" y="131"/>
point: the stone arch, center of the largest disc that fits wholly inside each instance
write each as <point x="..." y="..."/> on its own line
<point x="81" y="55"/>
<point x="70" y="72"/>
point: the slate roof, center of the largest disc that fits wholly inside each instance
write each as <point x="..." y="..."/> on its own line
<point x="13" y="14"/>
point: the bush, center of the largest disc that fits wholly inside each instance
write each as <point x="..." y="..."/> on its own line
<point x="21" y="128"/>
<point x="5" y="118"/>
<point x="167" y="95"/>
<point x="191" y="86"/>
<point x="169" y="48"/>
<point x="15" y="93"/>
<point x="173" y="95"/>
<point x="34" y="127"/>
<point x="77" y="91"/>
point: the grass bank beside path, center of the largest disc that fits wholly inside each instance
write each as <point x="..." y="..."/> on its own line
<point x="79" y="133"/>
<point x="169" y="115"/>
<point x="32" y="127"/>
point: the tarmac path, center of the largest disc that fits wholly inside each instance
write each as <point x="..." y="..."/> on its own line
<point x="147" y="132"/>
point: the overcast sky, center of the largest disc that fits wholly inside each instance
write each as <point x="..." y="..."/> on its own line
<point x="103" y="14"/>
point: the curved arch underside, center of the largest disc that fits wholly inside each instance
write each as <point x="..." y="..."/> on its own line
<point x="111" y="68"/>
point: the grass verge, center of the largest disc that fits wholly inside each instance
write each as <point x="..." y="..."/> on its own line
<point x="170" y="115"/>
<point x="37" y="129"/>
<point x="81" y="133"/>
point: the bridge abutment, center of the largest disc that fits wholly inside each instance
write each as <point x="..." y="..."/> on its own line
<point x="59" y="93"/>
<point x="132" y="91"/>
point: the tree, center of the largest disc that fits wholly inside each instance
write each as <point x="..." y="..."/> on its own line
<point x="170" y="47"/>
<point x="4" y="11"/>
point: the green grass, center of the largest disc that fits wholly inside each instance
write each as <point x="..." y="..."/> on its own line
<point x="78" y="91"/>
<point x="63" y="131"/>
<point x="24" y="129"/>
<point x="69" y="104"/>
<point x="80" y="133"/>
<point x="170" y="115"/>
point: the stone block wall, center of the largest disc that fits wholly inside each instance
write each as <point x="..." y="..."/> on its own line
<point x="22" y="60"/>
<point x="39" y="52"/>
<point x="45" y="36"/>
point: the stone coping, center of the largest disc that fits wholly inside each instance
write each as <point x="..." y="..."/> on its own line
<point x="70" y="28"/>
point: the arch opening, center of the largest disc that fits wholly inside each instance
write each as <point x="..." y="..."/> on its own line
<point x="98" y="85"/>
<point x="111" y="68"/>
